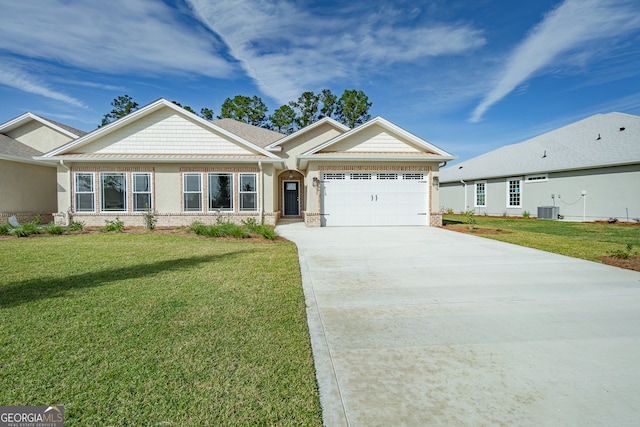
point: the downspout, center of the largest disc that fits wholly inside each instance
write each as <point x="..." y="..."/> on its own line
<point x="261" y="208"/>
<point x="66" y="214"/>
<point x="464" y="205"/>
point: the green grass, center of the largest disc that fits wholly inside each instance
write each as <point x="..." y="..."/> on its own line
<point x="580" y="240"/>
<point x="151" y="330"/>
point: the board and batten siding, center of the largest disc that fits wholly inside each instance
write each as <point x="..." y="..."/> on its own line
<point x="164" y="132"/>
<point x="373" y="140"/>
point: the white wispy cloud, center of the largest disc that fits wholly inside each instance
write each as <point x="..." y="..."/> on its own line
<point x="19" y="79"/>
<point x="119" y="36"/>
<point x="576" y="26"/>
<point x="286" y="49"/>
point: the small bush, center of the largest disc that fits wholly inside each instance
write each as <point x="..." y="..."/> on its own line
<point x="526" y="214"/>
<point x="52" y="228"/>
<point x="26" y="229"/>
<point x="265" y="231"/>
<point x="232" y="230"/>
<point x="622" y="254"/>
<point x="449" y="211"/>
<point x="114" y="225"/>
<point x="36" y="220"/>
<point x="471" y="219"/>
<point x="4" y="229"/>
<point x="76" y="226"/>
<point x="149" y="219"/>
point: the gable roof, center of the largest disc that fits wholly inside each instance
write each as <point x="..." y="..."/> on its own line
<point x="13" y="150"/>
<point x="324" y="121"/>
<point x="66" y="150"/>
<point x="434" y="152"/>
<point x="597" y="141"/>
<point x="27" y="117"/>
<point x="259" y="136"/>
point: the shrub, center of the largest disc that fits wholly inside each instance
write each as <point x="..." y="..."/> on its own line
<point x="149" y="219"/>
<point x="76" y="226"/>
<point x="114" y="225"/>
<point x="52" y="228"/>
<point x="526" y="214"/>
<point x="4" y="229"/>
<point x="36" y="220"/>
<point x="623" y="254"/>
<point x="471" y="219"/>
<point x="26" y="229"/>
<point x="266" y="231"/>
<point x="449" y="211"/>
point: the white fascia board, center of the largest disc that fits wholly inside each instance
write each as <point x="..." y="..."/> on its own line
<point x="32" y="161"/>
<point x="336" y="124"/>
<point x="157" y="160"/>
<point x="148" y="109"/>
<point x="20" y="120"/>
<point x="303" y="160"/>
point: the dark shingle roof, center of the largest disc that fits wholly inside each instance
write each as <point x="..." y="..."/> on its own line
<point x="12" y="148"/>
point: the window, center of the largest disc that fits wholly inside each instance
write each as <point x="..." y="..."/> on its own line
<point x="114" y="191"/>
<point x="514" y="195"/>
<point x="220" y="191"/>
<point x="85" y="196"/>
<point x="481" y="194"/>
<point x="141" y="192"/>
<point x="248" y="193"/>
<point x="192" y="192"/>
<point x="536" y="178"/>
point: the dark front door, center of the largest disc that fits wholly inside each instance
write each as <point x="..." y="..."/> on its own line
<point x="291" y="198"/>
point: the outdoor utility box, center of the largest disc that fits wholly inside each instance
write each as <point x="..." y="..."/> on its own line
<point x="548" y="212"/>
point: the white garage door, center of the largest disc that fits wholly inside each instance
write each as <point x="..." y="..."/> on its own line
<point x="374" y="198"/>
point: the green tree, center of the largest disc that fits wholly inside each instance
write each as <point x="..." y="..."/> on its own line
<point x="306" y="108"/>
<point x="186" y="107"/>
<point x="353" y="108"/>
<point x="206" y="113"/>
<point x="283" y="119"/>
<point x="123" y="105"/>
<point x="329" y="103"/>
<point x="245" y="109"/>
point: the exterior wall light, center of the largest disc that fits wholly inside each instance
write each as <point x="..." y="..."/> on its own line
<point x="315" y="181"/>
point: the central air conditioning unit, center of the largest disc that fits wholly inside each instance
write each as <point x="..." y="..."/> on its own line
<point x="548" y="212"/>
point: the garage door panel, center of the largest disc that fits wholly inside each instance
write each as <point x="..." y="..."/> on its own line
<point x="363" y="199"/>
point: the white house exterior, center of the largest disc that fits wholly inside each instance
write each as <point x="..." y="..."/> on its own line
<point x="27" y="186"/>
<point x="588" y="170"/>
<point x="164" y="159"/>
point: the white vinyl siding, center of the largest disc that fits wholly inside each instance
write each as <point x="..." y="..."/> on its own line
<point x="192" y="192"/>
<point x="85" y="192"/>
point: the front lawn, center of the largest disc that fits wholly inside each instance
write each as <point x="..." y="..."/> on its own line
<point x="586" y="240"/>
<point x="156" y="330"/>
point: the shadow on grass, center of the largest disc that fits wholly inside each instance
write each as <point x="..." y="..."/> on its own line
<point x="13" y="294"/>
<point x="452" y="222"/>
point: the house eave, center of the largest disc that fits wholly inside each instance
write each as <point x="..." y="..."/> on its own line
<point x="161" y="159"/>
<point x="33" y="161"/>
<point x="303" y="160"/>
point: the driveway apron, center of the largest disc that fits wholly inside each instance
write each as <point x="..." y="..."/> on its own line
<point x="420" y="326"/>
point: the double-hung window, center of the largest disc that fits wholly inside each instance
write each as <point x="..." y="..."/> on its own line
<point x="220" y="191"/>
<point x="114" y="191"/>
<point x="514" y="195"/>
<point x="85" y="193"/>
<point x="481" y="194"/>
<point x="192" y="192"/>
<point x="248" y="193"/>
<point x="141" y="191"/>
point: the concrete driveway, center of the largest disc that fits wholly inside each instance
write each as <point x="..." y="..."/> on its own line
<point x="420" y="326"/>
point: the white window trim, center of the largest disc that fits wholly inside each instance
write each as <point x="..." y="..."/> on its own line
<point x="475" y="194"/>
<point x="209" y="209"/>
<point x="184" y="191"/>
<point x="126" y="196"/>
<point x="240" y="192"/>
<point x="541" y="177"/>
<point x="134" y="192"/>
<point x="517" y="178"/>
<point x="76" y="191"/>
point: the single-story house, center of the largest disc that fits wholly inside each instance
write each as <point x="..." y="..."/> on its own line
<point x="166" y="160"/>
<point x="27" y="186"/>
<point x="588" y="170"/>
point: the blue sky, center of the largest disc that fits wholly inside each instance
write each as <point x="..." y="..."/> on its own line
<point x="467" y="76"/>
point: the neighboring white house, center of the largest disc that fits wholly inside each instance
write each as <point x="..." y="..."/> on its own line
<point x="589" y="170"/>
<point x="27" y="186"/>
<point x="167" y="160"/>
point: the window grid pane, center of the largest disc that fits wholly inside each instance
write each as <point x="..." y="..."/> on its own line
<point x="248" y="194"/>
<point x="514" y="193"/>
<point x="142" y="192"/>
<point x="85" y="196"/>
<point x="192" y="189"/>
<point x="480" y="194"/>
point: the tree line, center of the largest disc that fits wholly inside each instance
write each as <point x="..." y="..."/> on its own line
<point x="350" y="109"/>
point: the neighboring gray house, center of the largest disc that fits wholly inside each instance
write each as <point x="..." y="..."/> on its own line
<point x="588" y="170"/>
<point x="27" y="186"/>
